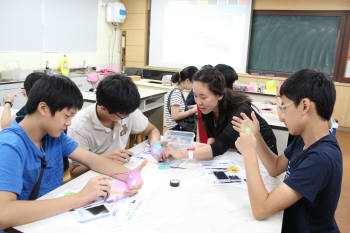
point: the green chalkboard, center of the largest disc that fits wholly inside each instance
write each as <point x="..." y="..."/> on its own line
<point x="288" y="43"/>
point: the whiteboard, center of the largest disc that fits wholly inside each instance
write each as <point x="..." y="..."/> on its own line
<point x="199" y="32"/>
<point x="48" y="25"/>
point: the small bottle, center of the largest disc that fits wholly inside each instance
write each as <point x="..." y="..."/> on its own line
<point x="64" y="66"/>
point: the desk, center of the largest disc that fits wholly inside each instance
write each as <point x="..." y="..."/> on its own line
<point x="151" y="105"/>
<point x="196" y="206"/>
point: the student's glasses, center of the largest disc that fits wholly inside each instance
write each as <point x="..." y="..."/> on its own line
<point x="121" y="117"/>
<point x="283" y="107"/>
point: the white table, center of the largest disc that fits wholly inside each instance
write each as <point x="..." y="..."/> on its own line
<point x="196" y="206"/>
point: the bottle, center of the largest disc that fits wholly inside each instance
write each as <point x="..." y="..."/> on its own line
<point x="64" y="66"/>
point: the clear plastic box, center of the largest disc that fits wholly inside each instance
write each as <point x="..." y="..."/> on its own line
<point x="179" y="140"/>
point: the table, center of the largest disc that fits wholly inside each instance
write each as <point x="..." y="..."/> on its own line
<point x="195" y="206"/>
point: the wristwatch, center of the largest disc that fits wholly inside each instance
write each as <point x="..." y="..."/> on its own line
<point x="9" y="102"/>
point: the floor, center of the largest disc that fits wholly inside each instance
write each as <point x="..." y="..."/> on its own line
<point x="342" y="214"/>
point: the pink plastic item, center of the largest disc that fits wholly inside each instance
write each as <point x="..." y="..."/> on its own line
<point x="134" y="178"/>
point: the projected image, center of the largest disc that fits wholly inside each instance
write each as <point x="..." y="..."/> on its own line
<point x="200" y="32"/>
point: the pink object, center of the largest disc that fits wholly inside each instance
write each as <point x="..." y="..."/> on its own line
<point x="134" y="178"/>
<point x="118" y="186"/>
<point x="106" y="71"/>
<point x="250" y="88"/>
<point x="93" y="77"/>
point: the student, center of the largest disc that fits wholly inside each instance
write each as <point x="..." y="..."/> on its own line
<point x="218" y="104"/>
<point x="175" y="107"/>
<point x="313" y="161"/>
<point x="104" y="127"/>
<point x="52" y="103"/>
<point x="229" y="73"/>
<point x="230" y="76"/>
<point x="6" y="117"/>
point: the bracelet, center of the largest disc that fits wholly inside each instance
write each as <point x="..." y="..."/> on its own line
<point x="9" y="102"/>
<point x="190" y="153"/>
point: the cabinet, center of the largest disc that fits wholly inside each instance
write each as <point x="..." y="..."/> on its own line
<point x="12" y="88"/>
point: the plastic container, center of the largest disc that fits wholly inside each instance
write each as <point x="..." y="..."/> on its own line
<point x="64" y="66"/>
<point x="179" y="140"/>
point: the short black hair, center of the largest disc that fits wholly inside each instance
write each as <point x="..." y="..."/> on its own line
<point x="118" y="94"/>
<point x="31" y="79"/>
<point x="186" y="73"/>
<point x="229" y="74"/>
<point x="57" y="91"/>
<point x="314" y="85"/>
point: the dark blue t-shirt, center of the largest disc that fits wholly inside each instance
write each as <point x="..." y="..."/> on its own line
<point x="315" y="173"/>
<point x="22" y="111"/>
<point x="190" y="98"/>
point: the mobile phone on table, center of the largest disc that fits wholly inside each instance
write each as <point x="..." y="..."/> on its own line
<point x="91" y="213"/>
<point x="220" y="175"/>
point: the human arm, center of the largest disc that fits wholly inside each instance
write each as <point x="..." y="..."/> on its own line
<point x="152" y="133"/>
<point x="6" y="117"/>
<point x="275" y="165"/>
<point x="104" y="165"/>
<point x="200" y="153"/>
<point x="263" y="203"/>
<point x="177" y="115"/>
<point x="210" y="141"/>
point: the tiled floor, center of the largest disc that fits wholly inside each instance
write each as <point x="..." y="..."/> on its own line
<point x="342" y="214"/>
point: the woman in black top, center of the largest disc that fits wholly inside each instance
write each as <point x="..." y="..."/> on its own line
<point x="218" y="105"/>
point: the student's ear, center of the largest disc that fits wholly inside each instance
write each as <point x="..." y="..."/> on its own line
<point x="306" y="104"/>
<point x="220" y="97"/>
<point x="43" y="109"/>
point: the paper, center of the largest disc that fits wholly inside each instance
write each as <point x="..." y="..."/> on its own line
<point x="224" y="172"/>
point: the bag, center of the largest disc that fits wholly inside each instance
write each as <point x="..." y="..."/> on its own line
<point x="188" y="123"/>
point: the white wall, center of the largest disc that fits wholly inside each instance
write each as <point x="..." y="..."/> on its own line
<point x="28" y="61"/>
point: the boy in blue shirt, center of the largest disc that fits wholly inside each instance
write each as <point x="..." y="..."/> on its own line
<point x="38" y="142"/>
<point x="313" y="161"/>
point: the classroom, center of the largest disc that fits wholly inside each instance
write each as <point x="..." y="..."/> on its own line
<point x="175" y="116"/>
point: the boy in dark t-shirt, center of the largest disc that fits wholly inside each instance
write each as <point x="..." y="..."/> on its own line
<point x="313" y="162"/>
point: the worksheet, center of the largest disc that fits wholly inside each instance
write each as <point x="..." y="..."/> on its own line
<point x="224" y="172"/>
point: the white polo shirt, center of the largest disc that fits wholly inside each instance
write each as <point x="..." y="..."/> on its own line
<point x="87" y="130"/>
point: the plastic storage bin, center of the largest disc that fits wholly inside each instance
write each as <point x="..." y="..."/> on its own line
<point x="179" y="140"/>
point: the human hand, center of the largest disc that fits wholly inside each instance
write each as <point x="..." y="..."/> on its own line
<point x="10" y="97"/>
<point x="157" y="149"/>
<point x="170" y="152"/>
<point x="270" y="101"/>
<point x="135" y="181"/>
<point x="246" y="124"/>
<point x="96" y="187"/>
<point x="246" y="143"/>
<point x="119" y="155"/>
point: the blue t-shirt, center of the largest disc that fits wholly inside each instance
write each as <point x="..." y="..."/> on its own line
<point x="315" y="173"/>
<point x="20" y="161"/>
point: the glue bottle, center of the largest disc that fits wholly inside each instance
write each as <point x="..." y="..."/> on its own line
<point x="64" y="66"/>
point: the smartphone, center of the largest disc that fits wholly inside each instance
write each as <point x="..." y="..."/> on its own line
<point x="221" y="175"/>
<point x="91" y="213"/>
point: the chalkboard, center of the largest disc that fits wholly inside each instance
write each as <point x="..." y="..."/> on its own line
<point x="288" y="43"/>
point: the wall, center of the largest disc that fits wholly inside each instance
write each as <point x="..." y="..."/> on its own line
<point x="37" y="60"/>
<point x="301" y="5"/>
<point x="136" y="28"/>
